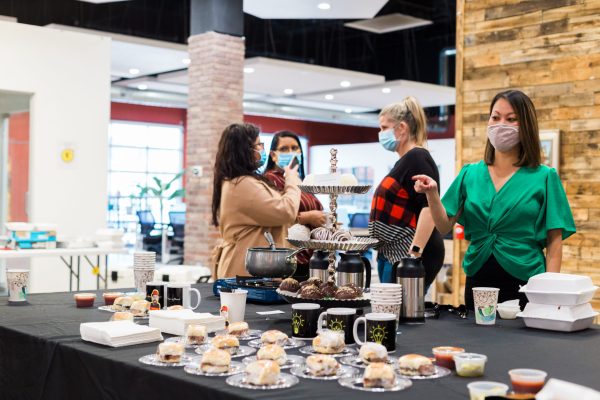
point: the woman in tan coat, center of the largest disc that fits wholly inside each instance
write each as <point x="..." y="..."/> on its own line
<point x="244" y="203"/>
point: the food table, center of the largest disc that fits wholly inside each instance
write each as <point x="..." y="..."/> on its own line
<point x="72" y="258"/>
<point x="43" y="356"/>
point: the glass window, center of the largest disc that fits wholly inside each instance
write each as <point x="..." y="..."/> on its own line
<point x="138" y="152"/>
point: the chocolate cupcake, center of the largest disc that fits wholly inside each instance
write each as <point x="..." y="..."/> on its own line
<point x="328" y="289"/>
<point x="289" y="285"/>
<point x="345" y="293"/>
<point x="310" y="292"/>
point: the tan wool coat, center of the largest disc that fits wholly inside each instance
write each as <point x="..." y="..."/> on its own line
<point x="248" y="208"/>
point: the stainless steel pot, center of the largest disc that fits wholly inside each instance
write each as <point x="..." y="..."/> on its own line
<point x="264" y="262"/>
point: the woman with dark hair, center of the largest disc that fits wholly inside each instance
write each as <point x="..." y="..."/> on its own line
<point x="511" y="206"/>
<point x="244" y="202"/>
<point x="284" y="148"/>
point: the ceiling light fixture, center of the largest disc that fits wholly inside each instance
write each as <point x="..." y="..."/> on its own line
<point x="324" y="6"/>
<point x="345" y="83"/>
<point x="288" y="91"/>
<point x="186" y="61"/>
<point x="248" y="70"/>
<point x="328" y="97"/>
<point x="348" y="111"/>
<point x="386" y="90"/>
<point x="142" y="87"/>
<point x="134" y="71"/>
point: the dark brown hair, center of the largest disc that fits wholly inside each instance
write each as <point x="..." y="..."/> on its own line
<point x="235" y="157"/>
<point x="530" y="150"/>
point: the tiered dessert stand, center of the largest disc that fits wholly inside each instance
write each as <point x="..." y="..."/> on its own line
<point x="354" y="244"/>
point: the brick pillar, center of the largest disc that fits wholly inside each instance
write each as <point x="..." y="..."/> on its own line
<point x="216" y="91"/>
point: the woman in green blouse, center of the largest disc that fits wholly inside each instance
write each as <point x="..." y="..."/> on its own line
<point x="510" y="205"/>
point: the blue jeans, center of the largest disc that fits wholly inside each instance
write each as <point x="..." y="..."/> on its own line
<point x="384" y="269"/>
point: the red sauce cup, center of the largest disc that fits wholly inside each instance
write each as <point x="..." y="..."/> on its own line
<point x="84" y="299"/>
<point x="109" y="297"/>
<point x="444" y="356"/>
<point x="526" y="380"/>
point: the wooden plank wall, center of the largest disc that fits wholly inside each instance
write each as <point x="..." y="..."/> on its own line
<point x="550" y="49"/>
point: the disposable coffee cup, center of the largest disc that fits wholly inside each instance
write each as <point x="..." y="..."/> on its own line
<point x="486" y="302"/>
<point x="142" y="276"/>
<point x="233" y="305"/>
<point x="17" y="280"/>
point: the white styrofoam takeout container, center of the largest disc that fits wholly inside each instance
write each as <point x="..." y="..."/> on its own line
<point x="558" y="298"/>
<point x="558" y="318"/>
<point x="557" y="282"/>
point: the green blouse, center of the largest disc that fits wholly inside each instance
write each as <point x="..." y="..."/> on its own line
<point x="512" y="224"/>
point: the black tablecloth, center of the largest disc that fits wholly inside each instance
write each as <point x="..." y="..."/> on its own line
<point x="43" y="357"/>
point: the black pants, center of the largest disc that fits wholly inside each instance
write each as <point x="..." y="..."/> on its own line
<point x="433" y="256"/>
<point x="492" y="274"/>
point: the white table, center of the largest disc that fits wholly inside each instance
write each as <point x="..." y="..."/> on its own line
<point x="72" y="259"/>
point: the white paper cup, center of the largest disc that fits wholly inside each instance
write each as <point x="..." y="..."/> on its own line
<point x="17" y="280"/>
<point x="485" y="300"/>
<point x="235" y="303"/>
<point x="142" y="276"/>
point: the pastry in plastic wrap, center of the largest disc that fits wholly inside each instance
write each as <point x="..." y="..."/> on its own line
<point x="329" y="342"/>
<point x="373" y="352"/>
<point x="379" y="375"/>
<point x="272" y="352"/>
<point x="274" y="337"/>
<point x="322" y="365"/>
<point x="299" y="232"/>
<point x="262" y="372"/>
<point x="215" y="361"/>
<point x="170" y="352"/>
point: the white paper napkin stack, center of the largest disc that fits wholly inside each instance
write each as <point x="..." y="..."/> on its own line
<point x="556" y="389"/>
<point x="175" y="322"/>
<point x="118" y="333"/>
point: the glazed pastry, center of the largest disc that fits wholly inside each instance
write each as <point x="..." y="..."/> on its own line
<point x="289" y="285"/>
<point x="215" y="361"/>
<point x="320" y="233"/>
<point x="299" y="232"/>
<point x="274" y="337"/>
<point x="379" y="375"/>
<point x="328" y="289"/>
<point x="357" y="290"/>
<point x="416" y="365"/>
<point x="238" y="329"/>
<point x="373" y="352"/>
<point x="345" y="293"/>
<point x="195" y="334"/>
<point x="170" y="352"/>
<point x="262" y="372"/>
<point x="310" y="292"/>
<point x="341" y="236"/>
<point x="272" y="352"/>
<point x="122" y="316"/>
<point x="329" y="342"/>
<point x="229" y="343"/>
<point x="122" y="303"/>
<point x="139" y="308"/>
<point x="321" y="365"/>
<point x="348" y="180"/>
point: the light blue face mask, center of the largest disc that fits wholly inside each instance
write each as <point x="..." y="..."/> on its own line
<point x="263" y="157"/>
<point x="388" y="140"/>
<point x="284" y="159"/>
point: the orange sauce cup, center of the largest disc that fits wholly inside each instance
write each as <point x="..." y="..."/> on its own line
<point x="444" y="356"/>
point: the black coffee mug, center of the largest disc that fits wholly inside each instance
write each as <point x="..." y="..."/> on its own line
<point x="304" y="319"/>
<point x="155" y="294"/>
<point x="339" y="319"/>
<point x="379" y="328"/>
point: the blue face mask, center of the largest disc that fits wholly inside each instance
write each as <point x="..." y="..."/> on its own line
<point x="263" y="157"/>
<point x="284" y="159"/>
<point x="388" y="140"/>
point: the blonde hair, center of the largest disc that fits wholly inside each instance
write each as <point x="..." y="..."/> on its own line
<point x="409" y="111"/>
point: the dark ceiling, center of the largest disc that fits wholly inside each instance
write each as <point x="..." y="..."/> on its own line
<point x="408" y="54"/>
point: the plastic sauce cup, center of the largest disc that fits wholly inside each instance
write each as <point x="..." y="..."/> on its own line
<point x="470" y="364"/>
<point x="109" y="297"/>
<point x="526" y="380"/>
<point x="84" y="299"/>
<point x="480" y="390"/>
<point x="444" y="355"/>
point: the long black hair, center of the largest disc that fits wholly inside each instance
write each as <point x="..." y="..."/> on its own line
<point x="275" y="143"/>
<point x="235" y="157"/>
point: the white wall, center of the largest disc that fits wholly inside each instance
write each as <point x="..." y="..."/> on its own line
<point x="68" y="75"/>
<point x="373" y="155"/>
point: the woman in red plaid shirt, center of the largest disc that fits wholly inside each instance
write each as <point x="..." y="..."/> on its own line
<point x="396" y="207"/>
<point x="284" y="148"/>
